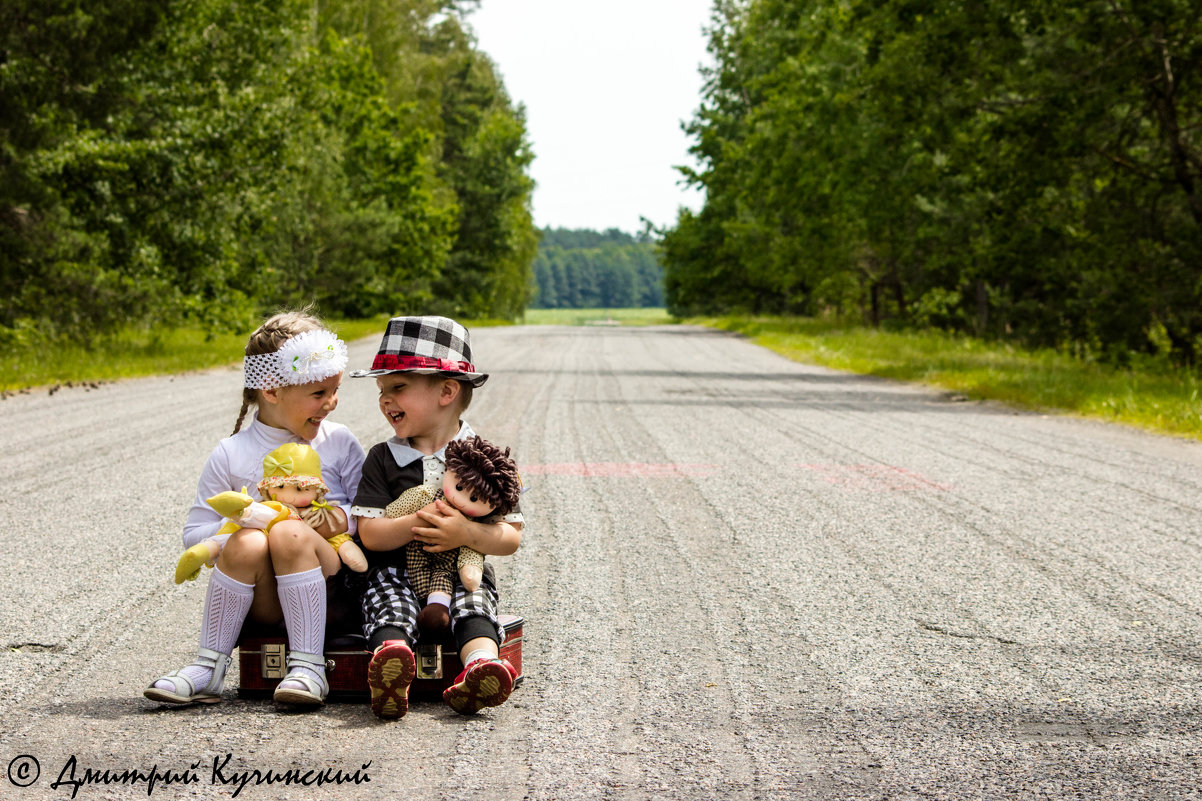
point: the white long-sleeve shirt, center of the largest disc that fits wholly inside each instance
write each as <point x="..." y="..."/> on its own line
<point x="237" y="462"/>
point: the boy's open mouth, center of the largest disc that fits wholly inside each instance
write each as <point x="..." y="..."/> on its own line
<point x="394" y="416"/>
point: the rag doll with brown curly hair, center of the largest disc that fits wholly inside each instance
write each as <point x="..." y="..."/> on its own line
<point x="482" y="482"/>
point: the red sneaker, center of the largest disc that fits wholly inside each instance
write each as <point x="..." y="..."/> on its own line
<point x="485" y="682"/>
<point x="389" y="674"/>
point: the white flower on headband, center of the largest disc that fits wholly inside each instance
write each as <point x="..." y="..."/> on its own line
<point x="308" y="357"/>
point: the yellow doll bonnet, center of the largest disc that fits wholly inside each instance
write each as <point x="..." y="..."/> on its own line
<point x="295" y="465"/>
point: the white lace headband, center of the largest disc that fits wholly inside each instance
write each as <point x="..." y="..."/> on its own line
<point x="308" y="357"/>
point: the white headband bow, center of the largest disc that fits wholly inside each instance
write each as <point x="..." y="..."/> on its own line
<point x="308" y="357"/>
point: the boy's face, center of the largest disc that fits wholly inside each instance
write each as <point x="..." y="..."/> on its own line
<point x="415" y="405"/>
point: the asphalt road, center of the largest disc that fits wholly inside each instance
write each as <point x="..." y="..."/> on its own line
<point x="743" y="578"/>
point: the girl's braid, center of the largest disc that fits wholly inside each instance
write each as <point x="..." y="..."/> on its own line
<point x="488" y="470"/>
<point x="268" y="338"/>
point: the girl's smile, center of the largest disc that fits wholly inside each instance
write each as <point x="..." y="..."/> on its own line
<point x="300" y="409"/>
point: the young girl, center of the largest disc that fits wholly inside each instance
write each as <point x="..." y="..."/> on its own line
<point x="292" y="372"/>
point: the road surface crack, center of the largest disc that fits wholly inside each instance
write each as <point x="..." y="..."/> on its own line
<point x="925" y="626"/>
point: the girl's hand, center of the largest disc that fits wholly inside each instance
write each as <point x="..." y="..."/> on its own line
<point x="446" y="527"/>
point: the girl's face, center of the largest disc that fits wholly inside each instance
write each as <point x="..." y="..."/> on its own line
<point x="301" y="408"/>
<point x="463" y="497"/>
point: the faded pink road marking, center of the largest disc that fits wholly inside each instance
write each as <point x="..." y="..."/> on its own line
<point x="874" y="477"/>
<point x="618" y="470"/>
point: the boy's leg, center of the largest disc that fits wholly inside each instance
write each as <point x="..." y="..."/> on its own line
<point x="486" y="679"/>
<point x="389" y="624"/>
<point x="389" y="607"/>
<point x="474" y="614"/>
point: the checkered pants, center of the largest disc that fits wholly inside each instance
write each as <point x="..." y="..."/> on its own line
<point x="389" y="601"/>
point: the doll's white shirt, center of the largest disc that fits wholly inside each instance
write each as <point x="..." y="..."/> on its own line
<point x="237" y="462"/>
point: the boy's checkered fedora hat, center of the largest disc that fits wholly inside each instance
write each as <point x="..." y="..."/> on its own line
<point x="427" y="346"/>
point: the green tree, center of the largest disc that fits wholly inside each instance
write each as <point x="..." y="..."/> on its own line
<point x="209" y="159"/>
<point x="61" y="69"/>
<point x="588" y="269"/>
<point x="1010" y="168"/>
<point x="437" y="79"/>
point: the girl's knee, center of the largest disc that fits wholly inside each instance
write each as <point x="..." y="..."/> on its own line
<point x="296" y="547"/>
<point x="288" y="537"/>
<point x="247" y="546"/>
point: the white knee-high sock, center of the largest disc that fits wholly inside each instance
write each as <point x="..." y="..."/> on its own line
<point x="226" y="603"/>
<point x="303" y="597"/>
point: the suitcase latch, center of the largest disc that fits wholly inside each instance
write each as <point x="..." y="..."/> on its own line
<point x="273" y="660"/>
<point x="429" y="661"/>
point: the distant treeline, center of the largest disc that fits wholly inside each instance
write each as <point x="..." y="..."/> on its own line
<point x="206" y="160"/>
<point x="1014" y="169"/>
<point x="583" y="269"/>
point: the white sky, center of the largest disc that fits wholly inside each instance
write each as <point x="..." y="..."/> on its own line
<point x="606" y="84"/>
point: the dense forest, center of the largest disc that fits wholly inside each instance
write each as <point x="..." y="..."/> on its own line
<point x="206" y="160"/>
<point x="1028" y="170"/>
<point x="584" y="269"/>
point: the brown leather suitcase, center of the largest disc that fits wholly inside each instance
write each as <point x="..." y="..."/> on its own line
<point x="262" y="662"/>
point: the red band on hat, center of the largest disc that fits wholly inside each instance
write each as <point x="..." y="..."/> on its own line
<point x="386" y="361"/>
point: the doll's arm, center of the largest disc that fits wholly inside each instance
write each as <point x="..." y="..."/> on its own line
<point x="246" y="511"/>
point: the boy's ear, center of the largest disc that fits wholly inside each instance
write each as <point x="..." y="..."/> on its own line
<point x="449" y="392"/>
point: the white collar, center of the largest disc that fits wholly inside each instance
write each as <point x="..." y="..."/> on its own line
<point x="270" y="435"/>
<point x="405" y="454"/>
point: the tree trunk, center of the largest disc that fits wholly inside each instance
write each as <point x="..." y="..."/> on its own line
<point x="1165" y="102"/>
<point x="982" y="317"/>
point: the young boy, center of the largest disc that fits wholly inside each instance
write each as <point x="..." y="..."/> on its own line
<point x="426" y="377"/>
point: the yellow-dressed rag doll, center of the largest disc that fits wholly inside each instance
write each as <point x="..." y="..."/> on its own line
<point x="292" y="488"/>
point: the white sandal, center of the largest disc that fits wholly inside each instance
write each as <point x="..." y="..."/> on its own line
<point x="209" y="694"/>
<point x="315" y="693"/>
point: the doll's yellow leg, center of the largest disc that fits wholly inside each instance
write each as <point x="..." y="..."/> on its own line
<point x="350" y="553"/>
<point x="190" y="563"/>
<point x="193" y="559"/>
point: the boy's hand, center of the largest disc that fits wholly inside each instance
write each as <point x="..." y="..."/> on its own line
<point x="447" y="527"/>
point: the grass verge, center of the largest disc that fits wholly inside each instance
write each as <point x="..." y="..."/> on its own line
<point x="597" y="317"/>
<point x="141" y="352"/>
<point x="1156" y="398"/>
